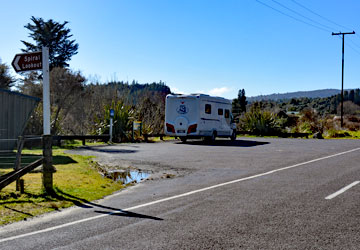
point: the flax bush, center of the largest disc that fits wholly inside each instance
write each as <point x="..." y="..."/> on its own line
<point x="122" y="121"/>
<point x="260" y="122"/>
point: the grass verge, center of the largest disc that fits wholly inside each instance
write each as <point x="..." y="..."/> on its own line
<point x="342" y="134"/>
<point x="76" y="182"/>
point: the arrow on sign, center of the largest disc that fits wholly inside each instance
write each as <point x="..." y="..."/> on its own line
<point x="15" y="64"/>
<point x="27" y="61"/>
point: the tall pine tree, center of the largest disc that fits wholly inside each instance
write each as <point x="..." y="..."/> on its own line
<point x="239" y="103"/>
<point x="53" y="35"/>
<point x="242" y="100"/>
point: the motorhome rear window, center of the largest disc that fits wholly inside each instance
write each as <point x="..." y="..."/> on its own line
<point x="220" y="111"/>
<point x="227" y="113"/>
<point x="208" y="108"/>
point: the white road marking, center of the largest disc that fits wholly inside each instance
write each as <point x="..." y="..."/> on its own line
<point x="344" y="189"/>
<point x="175" y="197"/>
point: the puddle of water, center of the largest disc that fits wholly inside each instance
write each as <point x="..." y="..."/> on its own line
<point x="127" y="176"/>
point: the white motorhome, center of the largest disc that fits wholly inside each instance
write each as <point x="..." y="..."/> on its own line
<point x="198" y="116"/>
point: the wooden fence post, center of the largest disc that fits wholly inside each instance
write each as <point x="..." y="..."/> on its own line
<point x="20" y="145"/>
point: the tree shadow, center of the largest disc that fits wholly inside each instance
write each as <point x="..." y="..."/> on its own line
<point x="26" y="159"/>
<point x="63" y="160"/>
<point x="58" y="194"/>
<point x="14" y="196"/>
<point x="109" y="150"/>
<point x="14" y="202"/>
<point x="18" y="211"/>
<point x="225" y="143"/>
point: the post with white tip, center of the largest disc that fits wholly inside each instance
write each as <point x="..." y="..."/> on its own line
<point x="46" y="90"/>
<point x="48" y="168"/>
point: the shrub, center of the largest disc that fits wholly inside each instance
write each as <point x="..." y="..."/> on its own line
<point x="305" y="127"/>
<point x="352" y="126"/>
<point x="311" y="122"/>
<point x="121" y="121"/>
<point x="260" y="122"/>
<point x="350" y="108"/>
<point x="332" y="133"/>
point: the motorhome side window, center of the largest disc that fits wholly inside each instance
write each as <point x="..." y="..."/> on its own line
<point x="227" y="113"/>
<point x="208" y="108"/>
<point x="220" y="111"/>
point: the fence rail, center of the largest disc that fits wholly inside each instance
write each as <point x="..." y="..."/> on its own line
<point x="59" y="138"/>
<point x="17" y="161"/>
<point x="12" y="176"/>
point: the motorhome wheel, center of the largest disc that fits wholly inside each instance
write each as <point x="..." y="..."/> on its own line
<point x="233" y="135"/>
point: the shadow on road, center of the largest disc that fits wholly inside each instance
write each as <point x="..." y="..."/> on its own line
<point x="87" y="204"/>
<point x="226" y="143"/>
<point x="109" y="150"/>
<point x="120" y="212"/>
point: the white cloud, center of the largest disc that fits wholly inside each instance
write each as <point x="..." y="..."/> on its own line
<point x="219" y="91"/>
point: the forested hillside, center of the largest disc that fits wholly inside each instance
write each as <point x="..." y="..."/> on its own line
<point x="322" y="93"/>
<point x="133" y="93"/>
<point x="325" y="105"/>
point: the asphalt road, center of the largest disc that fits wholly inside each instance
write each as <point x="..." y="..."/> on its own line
<point x="249" y="194"/>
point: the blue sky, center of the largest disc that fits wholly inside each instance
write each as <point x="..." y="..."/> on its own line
<point x="209" y="46"/>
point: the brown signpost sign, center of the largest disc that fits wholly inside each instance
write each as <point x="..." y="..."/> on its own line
<point x="27" y="61"/>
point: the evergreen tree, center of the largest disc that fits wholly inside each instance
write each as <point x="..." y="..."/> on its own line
<point x="357" y="96"/>
<point x="242" y="100"/>
<point x="53" y="35"/>
<point x="239" y="103"/>
<point x="6" y="80"/>
<point x="352" y="95"/>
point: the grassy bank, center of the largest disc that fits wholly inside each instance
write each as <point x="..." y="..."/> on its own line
<point x="76" y="182"/>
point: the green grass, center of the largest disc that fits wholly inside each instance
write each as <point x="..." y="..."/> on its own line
<point x="342" y="134"/>
<point x="355" y="134"/>
<point x="331" y="134"/>
<point x="76" y="182"/>
<point x="165" y="138"/>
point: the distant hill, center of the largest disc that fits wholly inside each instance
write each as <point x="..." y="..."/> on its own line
<point x="310" y="94"/>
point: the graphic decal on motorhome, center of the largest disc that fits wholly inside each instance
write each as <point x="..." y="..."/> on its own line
<point x="182" y="109"/>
